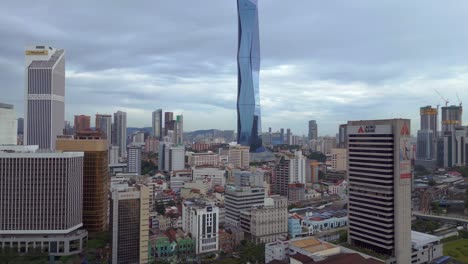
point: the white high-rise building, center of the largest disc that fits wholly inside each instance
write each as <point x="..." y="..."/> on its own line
<point x="8" y="124"/>
<point x="201" y="219"/>
<point x="44" y="96"/>
<point x="379" y="174"/>
<point x="41" y="200"/>
<point x="290" y="169"/>
<point x="120" y="132"/>
<point x="134" y="159"/>
<point x="239" y="156"/>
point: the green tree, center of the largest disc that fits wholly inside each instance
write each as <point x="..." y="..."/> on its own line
<point x="251" y="253"/>
<point x="420" y="170"/>
<point x="432" y="183"/>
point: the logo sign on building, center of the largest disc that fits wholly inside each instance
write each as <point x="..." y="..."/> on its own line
<point x="405" y="152"/>
<point x="36" y="52"/>
<point x="209" y="209"/>
<point x="369" y="129"/>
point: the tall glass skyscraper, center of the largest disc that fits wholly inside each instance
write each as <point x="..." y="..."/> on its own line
<point x="248" y="67"/>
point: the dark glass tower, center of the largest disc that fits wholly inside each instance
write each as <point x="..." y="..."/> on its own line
<point x="248" y="67"/>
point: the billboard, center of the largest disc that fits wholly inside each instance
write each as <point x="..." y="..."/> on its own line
<point x="405" y="152"/>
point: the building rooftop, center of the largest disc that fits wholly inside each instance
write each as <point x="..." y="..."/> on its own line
<point x="418" y="239"/>
<point x="312" y="245"/>
<point x="6" y="106"/>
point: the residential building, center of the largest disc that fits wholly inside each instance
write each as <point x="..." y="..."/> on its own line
<point x="238" y="199"/>
<point x="266" y="223"/>
<point x="82" y="123"/>
<point x="114" y="155"/>
<point x="239" y="156"/>
<point x="314" y="171"/>
<point x="200" y="218"/>
<point x="380" y="186"/>
<point x="29" y="181"/>
<point x="296" y="192"/>
<point x="8" y="125"/>
<point x="290" y="169"/>
<point x="248" y="64"/>
<point x="44" y="96"/>
<point x="129" y="209"/>
<point x="151" y="145"/>
<point x="339" y="156"/>
<point x="313" y="130"/>
<point x="157" y="121"/>
<point x="120" y="132"/>
<point x="95" y="177"/>
<point x="134" y="159"/>
<point x="104" y="124"/>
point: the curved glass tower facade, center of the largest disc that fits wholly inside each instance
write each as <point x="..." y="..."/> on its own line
<point x="248" y="67"/>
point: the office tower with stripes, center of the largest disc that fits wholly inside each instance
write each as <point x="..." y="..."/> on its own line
<point x="379" y="173"/>
<point x="44" y="96"/>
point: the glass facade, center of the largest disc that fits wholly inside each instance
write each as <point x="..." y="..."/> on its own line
<point x="248" y="67"/>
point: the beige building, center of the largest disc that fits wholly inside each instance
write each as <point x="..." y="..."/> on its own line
<point x="239" y="156"/>
<point x="339" y="157"/>
<point x="266" y="223"/>
<point x="203" y="159"/>
<point x="129" y="225"/>
<point x="379" y="175"/>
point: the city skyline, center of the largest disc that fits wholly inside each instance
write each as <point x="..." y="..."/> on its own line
<point x="407" y="58"/>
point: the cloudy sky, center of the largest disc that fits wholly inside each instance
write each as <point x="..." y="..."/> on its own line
<point x="331" y="61"/>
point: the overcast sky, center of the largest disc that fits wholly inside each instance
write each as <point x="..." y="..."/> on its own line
<point x="331" y="61"/>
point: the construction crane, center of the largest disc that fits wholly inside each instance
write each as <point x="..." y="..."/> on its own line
<point x="445" y="100"/>
<point x="459" y="101"/>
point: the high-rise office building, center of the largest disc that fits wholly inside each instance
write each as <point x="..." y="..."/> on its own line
<point x="179" y="130"/>
<point x="82" y="123"/>
<point x="41" y="200"/>
<point x="20" y="130"/>
<point x="201" y="219"/>
<point x="342" y="136"/>
<point x="313" y="130"/>
<point x="129" y="214"/>
<point x="104" y="124"/>
<point x="95" y="176"/>
<point x="157" y="124"/>
<point x="134" y="159"/>
<point x="168" y="122"/>
<point x="427" y="135"/>
<point x="45" y="96"/>
<point x="8" y="124"/>
<point x="379" y="177"/>
<point x="248" y="66"/>
<point x="288" y="137"/>
<point x="451" y="117"/>
<point x="120" y="132"/>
